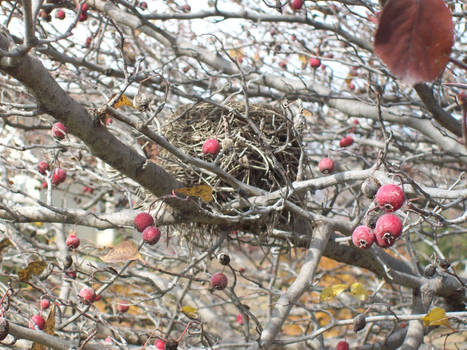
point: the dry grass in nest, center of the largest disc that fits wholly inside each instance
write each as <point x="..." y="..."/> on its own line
<point x="245" y="155"/>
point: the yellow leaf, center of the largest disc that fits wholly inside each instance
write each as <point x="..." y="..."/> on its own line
<point x="436" y="317"/>
<point x="332" y="291"/>
<point x="190" y="311"/>
<point x="292" y="330"/>
<point x="236" y="54"/>
<point x="4" y="243"/>
<point x="304" y="60"/>
<point x="38" y="223"/>
<point x="122" y="252"/>
<point x="33" y="269"/>
<point x="122" y="101"/>
<point x="307" y="113"/>
<point x="49" y="328"/>
<point x="359" y="291"/>
<point x="202" y="191"/>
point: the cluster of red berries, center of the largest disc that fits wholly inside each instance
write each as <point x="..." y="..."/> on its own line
<point x="58" y="176"/>
<point x="145" y="223"/>
<point x="388" y="226"/>
<point x="84" y="12"/>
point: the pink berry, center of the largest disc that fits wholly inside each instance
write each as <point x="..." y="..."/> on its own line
<point x="388" y="228"/>
<point x="72" y="241"/>
<point x="326" y="165"/>
<point x="346" y="141"/>
<point x="151" y="235"/>
<point x="315" y="62"/>
<point x="240" y="319"/>
<point x="219" y="281"/>
<point x="363" y="237"/>
<point x="87" y="295"/>
<point x="59" y="130"/>
<point x="186" y="8"/>
<point x="45" y="303"/>
<point x="159" y="344"/>
<point x="60" y="14"/>
<point x="390" y="197"/>
<point x="42" y="167"/>
<point x="37" y="322"/>
<point x="283" y="64"/>
<point x="342" y="345"/>
<point x="296" y="4"/>
<point x="123" y="306"/>
<point x="143" y="5"/>
<point x="44" y="184"/>
<point x="211" y="146"/>
<point x="143" y="220"/>
<point x="71" y="274"/>
<point x="58" y="176"/>
<point x="108" y="340"/>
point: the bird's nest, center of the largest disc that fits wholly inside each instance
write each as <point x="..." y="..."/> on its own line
<point x="260" y="148"/>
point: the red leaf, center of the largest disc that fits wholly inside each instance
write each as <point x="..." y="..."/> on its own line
<point x="414" y="38"/>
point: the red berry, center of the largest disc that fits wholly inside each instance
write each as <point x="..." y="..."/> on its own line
<point x="143" y="5"/>
<point x="88" y="295"/>
<point x="45" y="303"/>
<point x="219" y="281"/>
<point x="58" y="176"/>
<point x="363" y="237"/>
<point x="186" y="8"/>
<point x="42" y="167"/>
<point x="88" y="42"/>
<point x="388" y="228"/>
<point x="84" y="7"/>
<point x="143" y="220"/>
<point x="44" y="184"/>
<point x="151" y="235"/>
<point x="159" y="344"/>
<point x="59" y="130"/>
<point x="283" y="64"/>
<point x="123" y="306"/>
<point x="390" y="197"/>
<point x="240" y="319"/>
<point x="98" y="297"/>
<point x="296" y="4"/>
<point x="71" y="274"/>
<point x="83" y="16"/>
<point x="72" y="241"/>
<point x="293" y="37"/>
<point x="346" y="141"/>
<point x="315" y="62"/>
<point x="88" y="189"/>
<point x="342" y="345"/>
<point x="211" y="146"/>
<point x="60" y="14"/>
<point x="326" y="165"/>
<point x="37" y="322"/>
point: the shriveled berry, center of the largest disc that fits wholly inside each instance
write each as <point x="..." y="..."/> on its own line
<point x="143" y="220"/>
<point x="390" y="197"/>
<point x="87" y="295"/>
<point x="342" y="345"/>
<point x="224" y="259"/>
<point x="72" y="241"/>
<point x="123" y="306"/>
<point x="58" y="176"/>
<point x="211" y="146"/>
<point x="151" y="235"/>
<point x="388" y="228"/>
<point x="42" y="167"/>
<point x="363" y="237"/>
<point x="369" y="187"/>
<point x="143" y="5"/>
<point x="219" y="281"/>
<point x="37" y="322"/>
<point x="326" y="165"/>
<point x="4" y="328"/>
<point x="444" y="264"/>
<point x="45" y="303"/>
<point x="346" y="141"/>
<point x="59" y="130"/>
<point x="359" y="322"/>
<point x="430" y="270"/>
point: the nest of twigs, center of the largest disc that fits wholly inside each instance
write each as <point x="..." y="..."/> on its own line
<point x="267" y="157"/>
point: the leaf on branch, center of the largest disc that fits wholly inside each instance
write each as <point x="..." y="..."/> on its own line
<point x="4" y="243"/>
<point x="359" y="291"/>
<point x="123" y="252"/>
<point x="33" y="269"/>
<point x="122" y="101"/>
<point x="331" y="292"/>
<point x="436" y="317"/>
<point x="414" y="39"/>
<point x="190" y="311"/>
<point x="304" y="60"/>
<point x="202" y="191"/>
